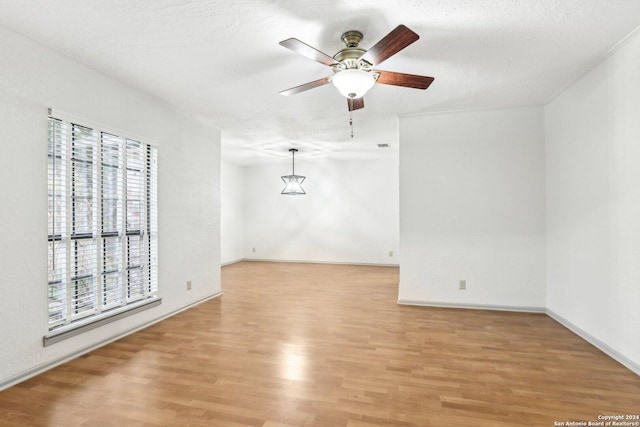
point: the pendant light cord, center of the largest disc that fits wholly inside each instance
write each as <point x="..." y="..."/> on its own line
<point x="293" y="160"/>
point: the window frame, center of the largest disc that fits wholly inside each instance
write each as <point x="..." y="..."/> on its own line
<point x="88" y="174"/>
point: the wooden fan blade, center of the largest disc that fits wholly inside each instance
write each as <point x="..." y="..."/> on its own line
<point x="308" y="51"/>
<point x="306" y="86"/>
<point x="355" y="104"/>
<point x="401" y="79"/>
<point x="390" y="44"/>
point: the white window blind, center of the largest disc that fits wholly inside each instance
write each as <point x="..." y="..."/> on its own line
<point x="102" y="191"/>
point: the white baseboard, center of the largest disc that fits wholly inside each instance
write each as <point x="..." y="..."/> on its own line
<point x="614" y="354"/>
<point x="25" y="375"/>
<point x="524" y="309"/>
<point x="293" y="261"/>
<point x="232" y="262"/>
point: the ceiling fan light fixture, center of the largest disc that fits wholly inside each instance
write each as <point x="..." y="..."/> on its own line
<point x="353" y="83"/>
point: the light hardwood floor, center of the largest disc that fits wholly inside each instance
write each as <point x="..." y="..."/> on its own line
<point x="327" y="345"/>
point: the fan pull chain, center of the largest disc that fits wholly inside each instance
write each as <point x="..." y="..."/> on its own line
<point x="351" y="122"/>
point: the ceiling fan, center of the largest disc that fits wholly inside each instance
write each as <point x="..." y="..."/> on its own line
<point x="352" y="66"/>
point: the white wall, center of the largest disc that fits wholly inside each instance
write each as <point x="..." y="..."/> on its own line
<point x="231" y="213"/>
<point x="349" y="214"/>
<point x="472" y="208"/>
<point x="593" y="203"/>
<point x="34" y="78"/>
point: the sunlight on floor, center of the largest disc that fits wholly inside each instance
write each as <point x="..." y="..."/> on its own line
<point x="293" y="363"/>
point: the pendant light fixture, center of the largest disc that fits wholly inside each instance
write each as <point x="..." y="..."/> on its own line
<point x="293" y="182"/>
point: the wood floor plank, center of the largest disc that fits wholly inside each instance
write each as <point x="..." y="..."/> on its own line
<point x="328" y="345"/>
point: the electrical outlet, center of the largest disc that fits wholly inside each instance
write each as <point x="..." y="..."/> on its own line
<point x="462" y="285"/>
<point x="390" y="253"/>
<point x="188" y="285"/>
<point x="253" y="249"/>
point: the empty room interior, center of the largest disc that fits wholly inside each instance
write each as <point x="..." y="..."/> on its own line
<point x="324" y="213"/>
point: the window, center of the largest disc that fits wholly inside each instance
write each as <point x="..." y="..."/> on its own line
<point x="102" y="191"/>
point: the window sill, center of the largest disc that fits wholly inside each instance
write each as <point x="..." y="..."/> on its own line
<point x="64" y="332"/>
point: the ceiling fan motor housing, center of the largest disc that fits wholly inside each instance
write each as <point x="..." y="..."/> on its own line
<point x="348" y="57"/>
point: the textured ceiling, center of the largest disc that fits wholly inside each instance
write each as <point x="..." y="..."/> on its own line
<point x="222" y="59"/>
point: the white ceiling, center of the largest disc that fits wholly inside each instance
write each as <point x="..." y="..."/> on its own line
<point x="222" y="59"/>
